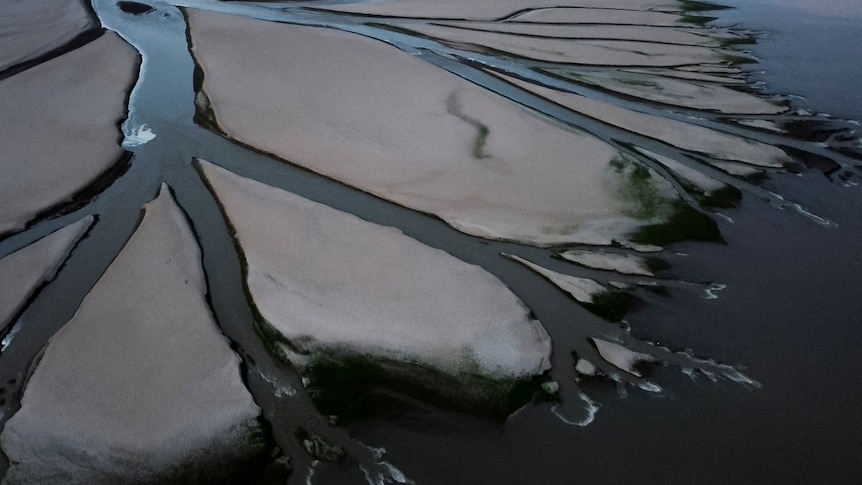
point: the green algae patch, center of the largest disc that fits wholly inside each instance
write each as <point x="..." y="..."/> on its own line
<point x="339" y="382"/>
<point x="256" y="460"/>
<point x="685" y="223"/>
<point x="639" y="192"/>
<point x="647" y="197"/>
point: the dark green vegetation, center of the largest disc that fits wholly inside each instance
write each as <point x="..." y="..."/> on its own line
<point x="253" y="459"/>
<point x="340" y="383"/>
<point x="681" y="222"/>
<point x="638" y="191"/>
<point x="685" y="223"/>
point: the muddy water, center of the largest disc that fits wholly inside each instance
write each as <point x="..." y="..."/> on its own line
<point x="790" y="316"/>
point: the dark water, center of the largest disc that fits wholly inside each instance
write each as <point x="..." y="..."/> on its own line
<point x="791" y="315"/>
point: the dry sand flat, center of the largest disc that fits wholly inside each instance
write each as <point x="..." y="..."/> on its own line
<point x="596" y="32"/>
<point x="366" y="114"/>
<point x="23" y="271"/>
<point x="490" y="9"/>
<point x="677" y="92"/>
<point x="582" y="52"/>
<point x="621" y="263"/>
<point x="677" y="133"/>
<point x="581" y="289"/>
<point x="330" y="282"/>
<point x="30" y="28"/>
<point x="60" y="129"/>
<point x="140" y="380"/>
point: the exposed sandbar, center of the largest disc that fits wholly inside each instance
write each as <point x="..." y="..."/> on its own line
<point x="31" y="28"/>
<point x="594" y="32"/>
<point x="22" y="272"/>
<point x="140" y="385"/>
<point x="330" y="282"/>
<point x="595" y="52"/>
<point x="621" y="263"/>
<point x="581" y="289"/>
<point x="60" y="128"/>
<point x="364" y="113"/>
<point x="621" y="357"/>
<point x="677" y="133"/>
<point x="677" y="92"/>
<point x="490" y="9"/>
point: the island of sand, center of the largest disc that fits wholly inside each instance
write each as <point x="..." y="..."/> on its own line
<point x="414" y="134"/>
<point x="25" y="270"/>
<point x="60" y="127"/>
<point x="140" y="386"/>
<point x="335" y="291"/>
<point x="30" y="29"/>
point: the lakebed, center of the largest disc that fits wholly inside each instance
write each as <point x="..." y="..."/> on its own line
<point x="517" y="150"/>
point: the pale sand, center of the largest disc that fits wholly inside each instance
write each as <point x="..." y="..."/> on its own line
<point x="595" y="32"/>
<point x="140" y="379"/>
<point x="581" y="52"/>
<point x="621" y="357"/>
<point x="581" y="289"/>
<point x="678" y="92"/>
<point x="30" y="28"/>
<point x="677" y="133"/>
<point x="23" y="271"/>
<point x="60" y="129"/>
<point x="489" y="9"/>
<point x="364" y="113"/>
<point x="728" y="79"/>
<point x="565" y="15"/>
<point x="736" y="169"/>
<point x="328" y="280"/>
<point x="762" y="125"/>
<point x="690" y="176"/>
<point x="621" y="263"/>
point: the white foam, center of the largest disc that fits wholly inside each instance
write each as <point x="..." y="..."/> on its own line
<point x="389" y="473"/>
<point x="650" y="387"/>
<point x="592" y="408"/>
<point x="709" y="293"/>
<point x="311" y="473"/>
<point x="138" y="136"/>
<point x="392" y="475"/>
<point x="280" y="389"/>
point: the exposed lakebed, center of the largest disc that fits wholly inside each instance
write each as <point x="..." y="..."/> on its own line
<point x="596" y="160"/>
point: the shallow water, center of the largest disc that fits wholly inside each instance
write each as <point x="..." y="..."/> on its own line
<point x="788" y="316"/>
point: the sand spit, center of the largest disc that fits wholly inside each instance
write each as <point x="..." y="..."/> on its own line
<point x="332" y="283"/>
<point x="140" y="385"/>
<point x="491" y="9"/>
<point x="727" y="79"/>
<point x="31" y="28"/>
<point x="595" y="32"/>
<point x="353" y="304"/>
<point x="609" y="16"/>
<point x="22" y="272"/>
<point x="677" y="133"/>
<point x="693" y="180"/>
<point x="620" y="263"/>
<point x="583" y="290"/>
<point x="676" y="92"/>
<point x="366" y="114"/>
<point x="60" y="129"/>
<point x="583" y="52"/>
<point x="621" y="357"/>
